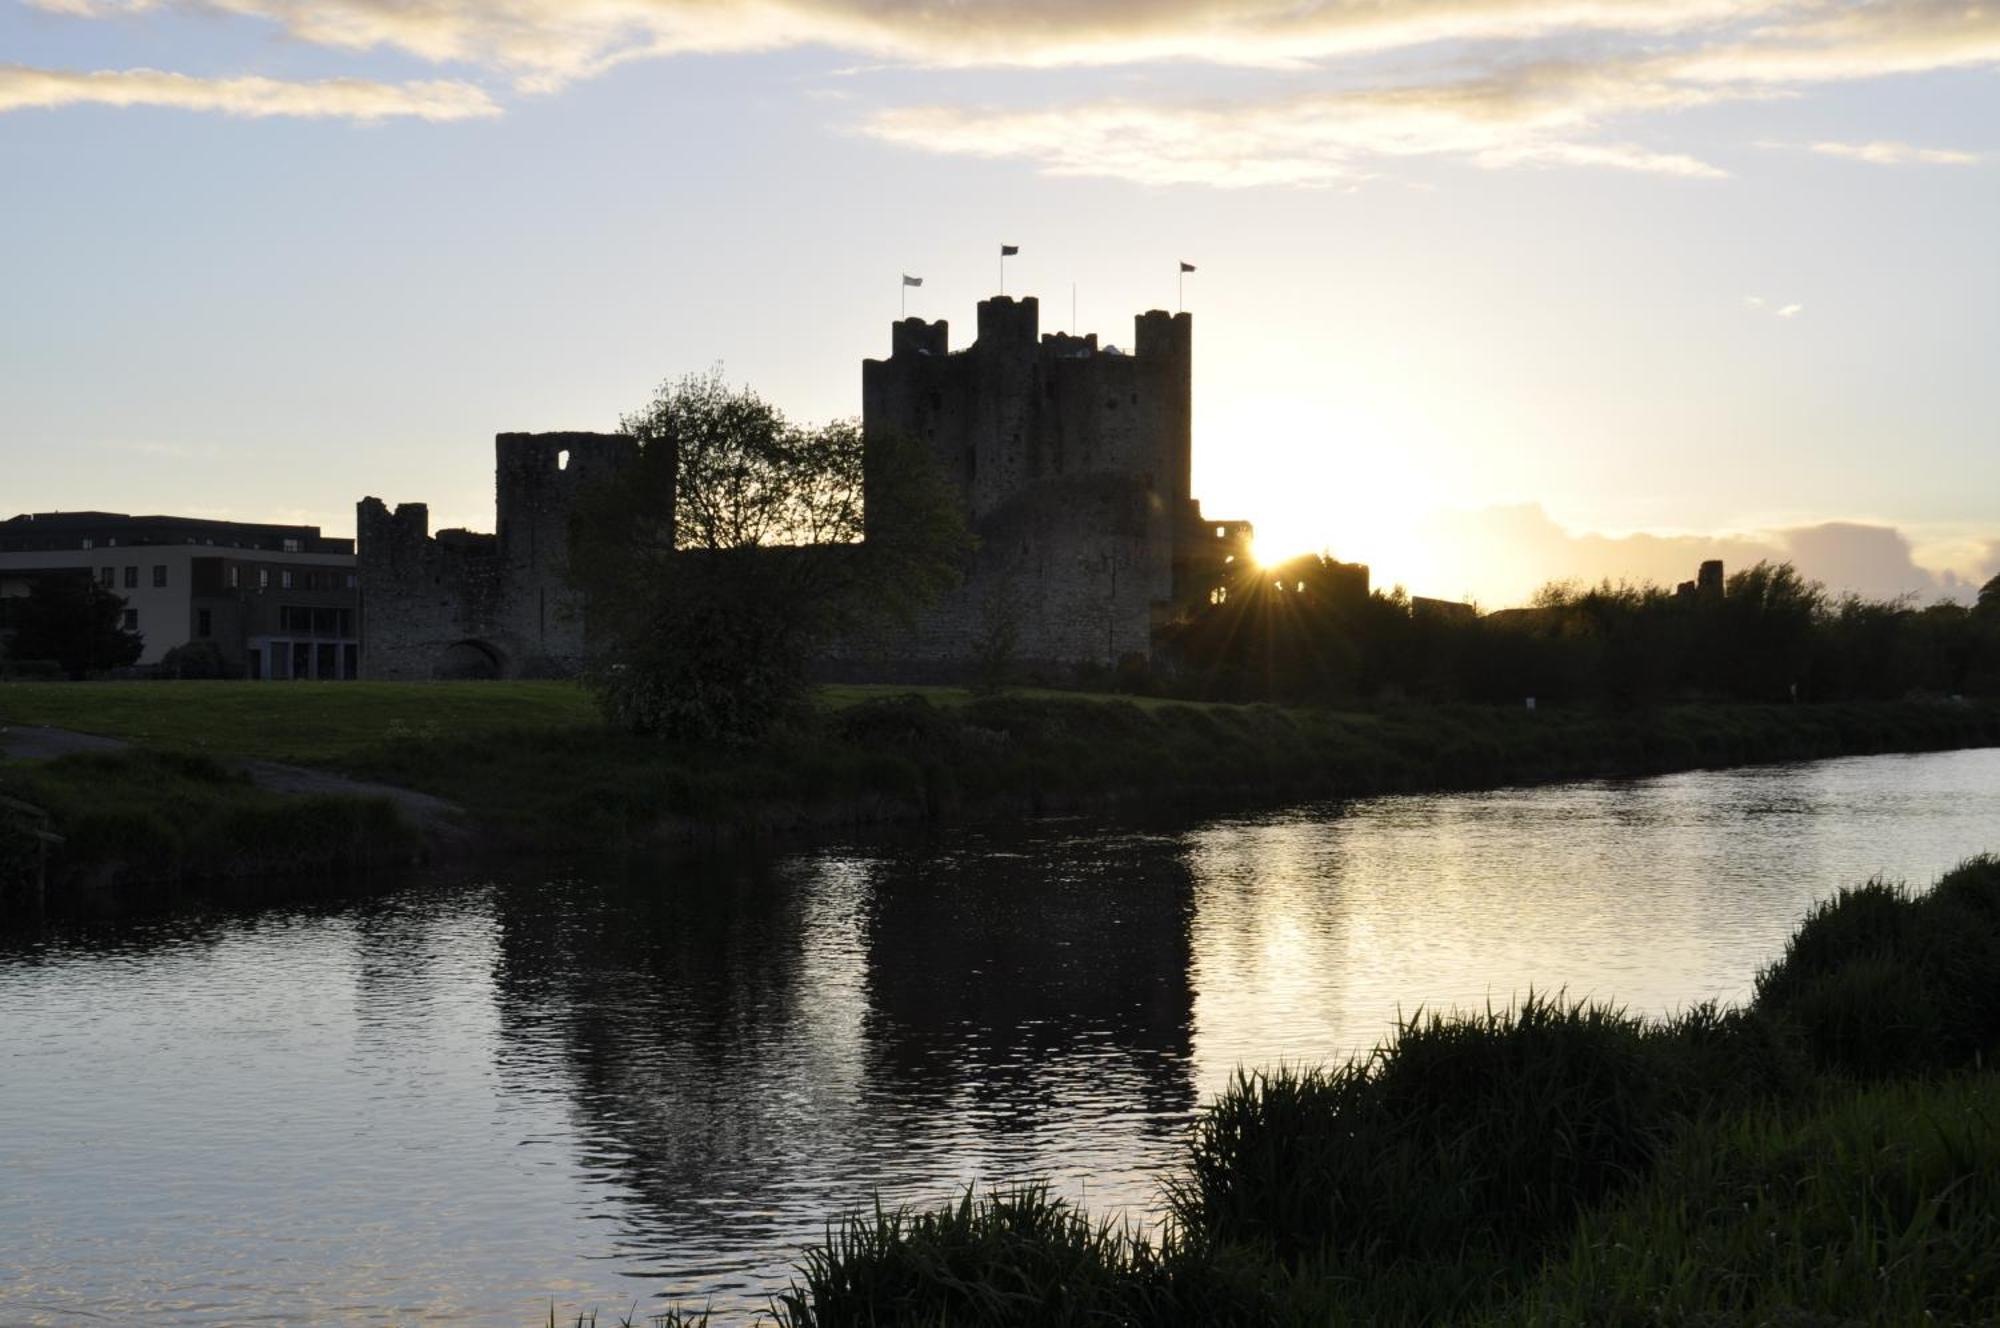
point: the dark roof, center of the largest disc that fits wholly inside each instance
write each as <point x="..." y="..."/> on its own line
<point x="68" y="530"/>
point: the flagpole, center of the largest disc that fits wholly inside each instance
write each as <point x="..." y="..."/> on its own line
<point x="904" y="287"/>
<point x="1180" y="291"/>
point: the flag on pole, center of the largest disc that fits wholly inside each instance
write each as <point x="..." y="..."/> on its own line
<point x="1009" y="250"/>
<point x="909" y="280"/>
<point x="1187" y="267"/>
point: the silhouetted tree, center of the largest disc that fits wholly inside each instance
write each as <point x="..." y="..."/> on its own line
<point x="1273" y="638"/>
<point x="77" y="623"/>
<point x="732" y="551"/>
<point x="1760" y="645"/>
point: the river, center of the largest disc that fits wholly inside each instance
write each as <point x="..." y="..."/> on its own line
<point x="468" y="1101"/>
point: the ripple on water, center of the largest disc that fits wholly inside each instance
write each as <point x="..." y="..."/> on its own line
<point x="461" y="1103"/>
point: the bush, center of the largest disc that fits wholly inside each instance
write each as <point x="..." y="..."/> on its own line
<point x="1882" y="1207"/>
<point x="1878" y="981"/>
<point x="1477" y="1133"/>
<point x="194" y="660"/>
<point x="30" y="670"/>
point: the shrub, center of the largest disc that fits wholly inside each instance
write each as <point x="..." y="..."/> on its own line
<point x="1878" y="981"/>
<point x="1010" y="1257"/>
<point x="1881" y="1207"/>
<point x="193" y="659"/>
<point x="1471" y="1131"/>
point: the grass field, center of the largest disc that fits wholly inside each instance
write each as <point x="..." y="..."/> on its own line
<point x="536" y="764"/>
<point x="146" y="817"/>
<point x="307" y="723"/>
<point x="322" y="723"/>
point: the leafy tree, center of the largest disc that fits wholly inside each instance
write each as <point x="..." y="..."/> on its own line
<point x="731" y="553"/>
<point x="77" y="623"/>
<point x="194" y="659"/>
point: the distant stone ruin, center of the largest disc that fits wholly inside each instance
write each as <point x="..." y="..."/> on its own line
<point x="1072" y="460"/>
<point x="466" y="605"/>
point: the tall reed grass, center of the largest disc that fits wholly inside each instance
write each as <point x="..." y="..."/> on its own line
<point x="1829" y="1153"/>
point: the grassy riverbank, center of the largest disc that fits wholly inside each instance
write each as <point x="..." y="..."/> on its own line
<point x="533" y="762"/>
<point x="148" y="818"/>
<point x="1828" y="1154"/>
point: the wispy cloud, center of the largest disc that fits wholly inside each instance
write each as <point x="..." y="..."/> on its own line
<point x="548" y="41"/>
<point x="24" y="88"/>
<point x="1531" y="116"/>
<point x="1495" y="82"/>
<point x="1758" y="304"/>
<point x="1884" y="153"/>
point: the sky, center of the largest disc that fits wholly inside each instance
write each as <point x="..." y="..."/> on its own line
<point x="1488" y="292"/>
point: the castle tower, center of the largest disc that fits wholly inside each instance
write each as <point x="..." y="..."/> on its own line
<point x="1073" y="461"/>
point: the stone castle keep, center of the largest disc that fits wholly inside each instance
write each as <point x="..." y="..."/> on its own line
<point x="1072" y="459"/>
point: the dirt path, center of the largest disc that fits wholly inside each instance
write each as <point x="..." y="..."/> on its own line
<point x="437" y="820"/>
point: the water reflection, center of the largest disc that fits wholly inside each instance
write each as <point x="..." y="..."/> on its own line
<point x="746" y="1051"/>
<point x="458" y="1102"/>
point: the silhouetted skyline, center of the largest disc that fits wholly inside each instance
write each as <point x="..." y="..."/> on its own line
<point x="1660" y="269"/>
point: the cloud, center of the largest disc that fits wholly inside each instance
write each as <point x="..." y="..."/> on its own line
<point x="22" y="88"/>
<point x="1883" y="153"/>
<point x="1758" y="304"/>
<point x="1520" y="548"/>
<point x="548" y="41"/>
<point x="1809" y="42"/>
<point x="1531" y="116"/>
<point x="1779" y="41"/>
<point x="1498" y="83"/>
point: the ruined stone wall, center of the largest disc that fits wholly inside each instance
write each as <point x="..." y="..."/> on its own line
<point x="465" y="604"/>
<point x="538" y="479"/>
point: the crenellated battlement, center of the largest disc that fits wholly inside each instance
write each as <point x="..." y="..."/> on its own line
<point x="1159" y="333"/>
<point x="913" y="336"/>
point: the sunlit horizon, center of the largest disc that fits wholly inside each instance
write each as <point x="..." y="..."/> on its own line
<point x="1482" y="301"/>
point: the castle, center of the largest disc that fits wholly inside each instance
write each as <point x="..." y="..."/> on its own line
<point x="1072" y="460"/>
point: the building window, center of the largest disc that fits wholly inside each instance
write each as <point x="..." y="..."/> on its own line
<point x="131" y="578"/>
<point x="263" y="578"/>
<point x="352" y="580"/>
<point x="89" y="543"/>
<point x="203" y="624"/>
<point x="285" y="579"/>
<point x="291" y="546"/>
<point x="108" y="576"/>
<point x="235" y="576"/>
<point x="131" y="620"/>
<point x="159" y="576"/>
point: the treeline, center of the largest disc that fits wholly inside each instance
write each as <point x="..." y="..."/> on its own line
<point x="1291" y="633"/>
